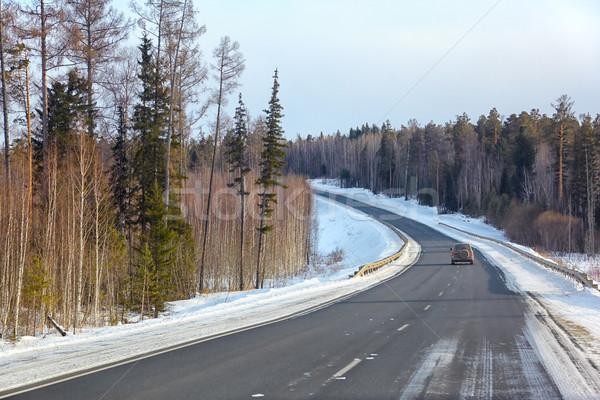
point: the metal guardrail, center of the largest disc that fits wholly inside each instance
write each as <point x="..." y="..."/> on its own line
<point x="577" y="276"/>
<point x="372" y="267"/>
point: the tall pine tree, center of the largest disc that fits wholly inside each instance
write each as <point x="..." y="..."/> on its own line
<point x="271" y="165"/>
<point x="157" y="238"/>
<point x="236" y="153"/>
<point x="66" y="104"/>
<point x="121" y="173"/>
<point x="149" y="124"/>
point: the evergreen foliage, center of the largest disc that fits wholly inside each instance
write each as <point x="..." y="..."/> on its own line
<point x="67" y="103"/>
<point x="121" y="172"/>
<point x="237" y="146"/>
<point x="273" y="154"/>
<point x="149" y="124"/>
<point x="164" y="234"/>
<point x="271" y="165"/>
<point x="236" y="149"/>
<point x="387" y="157"/>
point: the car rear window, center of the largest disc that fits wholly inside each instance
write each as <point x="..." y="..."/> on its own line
<point x="458" y="247"/>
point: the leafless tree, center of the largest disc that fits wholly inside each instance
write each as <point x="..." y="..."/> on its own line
<point x="228" y="66"/>
<point x="94" y="32"/>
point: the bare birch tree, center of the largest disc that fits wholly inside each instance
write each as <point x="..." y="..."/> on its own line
<point x="228" y="66"/>
<point x="4" y="96"/>
<point x="182" y="36"/>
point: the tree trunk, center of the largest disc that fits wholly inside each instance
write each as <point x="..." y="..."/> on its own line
<point x="171" y="101"/>
<point x="561" y="141"/>
<point x="22" y="257"/>
<point x="90" y="73"/>
<point x="29" y="144"/>
<point x="590" y="239"/>
<point x="210" y="184"/>
<point x="44" y="69"/>
<point x="260" y="240"/>
<point x="96" y="249"/>
<point x="4" y="104"/>
<point x="242" y="194"/>
<point x="79" y="288"/>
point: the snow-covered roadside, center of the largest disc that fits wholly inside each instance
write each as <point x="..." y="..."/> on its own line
<point x="583" y="263"/>
<point x="343" y="228"/>
<point x="575" y="307"/>
<point x="35" y="359"/>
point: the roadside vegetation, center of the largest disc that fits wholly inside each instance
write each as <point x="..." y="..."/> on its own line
<point x="112" y="199"/>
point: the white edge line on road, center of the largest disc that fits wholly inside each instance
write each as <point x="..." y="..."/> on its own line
<point x="347" y="368"/>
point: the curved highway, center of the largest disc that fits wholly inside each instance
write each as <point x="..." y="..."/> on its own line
<point x="437" y="331"/>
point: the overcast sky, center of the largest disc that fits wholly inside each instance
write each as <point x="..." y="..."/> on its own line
<point x="346" y="62"/>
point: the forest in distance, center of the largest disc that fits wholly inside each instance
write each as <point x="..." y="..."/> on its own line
<point x="535" y="176"/>
<point x="108" y="210"/>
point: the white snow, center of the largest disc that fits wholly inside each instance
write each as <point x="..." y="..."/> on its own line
<point x="349" y="230"/>
<point x="582" y="262"/>
<point x="360" y="239"/>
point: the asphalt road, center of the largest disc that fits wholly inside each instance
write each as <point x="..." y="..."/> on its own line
<point x="436" y="331"/>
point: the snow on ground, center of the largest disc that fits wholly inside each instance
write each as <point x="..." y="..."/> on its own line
<point x="581" y="262"/>
<point x="343" y="228"/>
<point x="35" y="359"/>
<point x="577" y="307"/>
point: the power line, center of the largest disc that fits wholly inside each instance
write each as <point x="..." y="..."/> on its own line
<point x="422" y="78"/>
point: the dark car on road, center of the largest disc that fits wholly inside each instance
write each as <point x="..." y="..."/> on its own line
<point x="462" y="252"/>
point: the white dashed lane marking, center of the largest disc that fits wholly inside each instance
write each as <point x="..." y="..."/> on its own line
<point x="340" y="374"/>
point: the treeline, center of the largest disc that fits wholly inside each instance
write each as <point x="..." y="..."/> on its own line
<point x="108" y="206"/>
<point x="537" y="176"/>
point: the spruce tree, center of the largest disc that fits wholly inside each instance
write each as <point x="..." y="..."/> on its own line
<point x="149" y="124"/>
<point x="121" y="172"/>
<point x="387" y="157"/>
<point x="66" y="104"/>
<point x="161" y="242"/>
<point x="167" y="237"/>
<point x="141" y="280"/>
<point x="236" y="153"/>
<point x="271" y="164"/>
